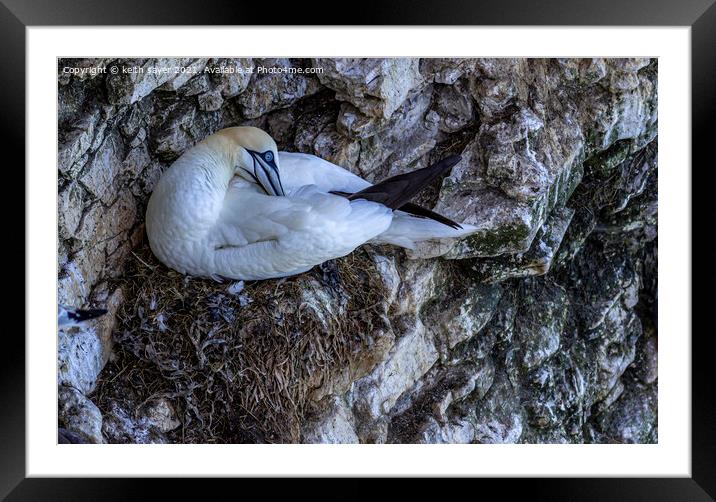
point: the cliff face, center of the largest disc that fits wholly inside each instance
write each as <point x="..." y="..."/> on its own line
<point x="541" y="327"/>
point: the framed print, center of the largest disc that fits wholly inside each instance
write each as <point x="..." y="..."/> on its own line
<point x="360" y="250"/>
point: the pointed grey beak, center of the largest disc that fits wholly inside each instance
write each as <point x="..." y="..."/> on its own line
<point x="266" y="172"/>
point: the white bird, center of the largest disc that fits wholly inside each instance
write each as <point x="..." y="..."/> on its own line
<point x="234" y="207"/>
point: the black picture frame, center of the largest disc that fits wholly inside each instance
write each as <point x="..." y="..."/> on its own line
<point x="700" y="15"/>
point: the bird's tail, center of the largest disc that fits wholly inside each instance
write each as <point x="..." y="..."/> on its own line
<point x="406" y="230"/>
<point x="412" y="223"/>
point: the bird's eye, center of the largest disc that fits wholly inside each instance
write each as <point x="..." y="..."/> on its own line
<point x="268" y="156"/>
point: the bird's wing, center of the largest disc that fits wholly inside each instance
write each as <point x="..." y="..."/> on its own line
<point x="416" y="210"/>
<point x="396" y="191"/>
<point x="248" y="216"/>
<point x="423" y="212"/>
<point x="301" y="169"/>
<point x="306" y="217"/>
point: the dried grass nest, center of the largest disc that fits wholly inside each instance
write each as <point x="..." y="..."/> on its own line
<point x="237" y="368"/>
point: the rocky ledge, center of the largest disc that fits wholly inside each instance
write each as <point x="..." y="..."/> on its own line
<point x="539" y="328"/>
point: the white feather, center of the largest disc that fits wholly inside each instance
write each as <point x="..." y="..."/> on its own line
<point x="299" y="169"/>
<point x="291" y="233"/>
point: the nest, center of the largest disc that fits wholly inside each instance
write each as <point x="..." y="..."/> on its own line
<point x="238" y="365"/>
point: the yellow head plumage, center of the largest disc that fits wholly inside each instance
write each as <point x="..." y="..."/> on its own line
<point x="252" y="153"/>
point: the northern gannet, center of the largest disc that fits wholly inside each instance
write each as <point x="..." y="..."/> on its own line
<point x="232" y="206"/>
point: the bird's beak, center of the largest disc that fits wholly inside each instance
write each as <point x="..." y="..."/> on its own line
<point x="267" y="175"/>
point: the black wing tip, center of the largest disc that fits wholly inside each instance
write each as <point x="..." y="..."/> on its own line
<point x="422" y="212"/>
<point x="447" y="221"/>
<point x="397" y="190"/>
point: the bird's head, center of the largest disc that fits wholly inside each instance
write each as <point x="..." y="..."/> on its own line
<point x="254" y="156"/>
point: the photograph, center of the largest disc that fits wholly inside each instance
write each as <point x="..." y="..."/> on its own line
<point x="357" y="250"/>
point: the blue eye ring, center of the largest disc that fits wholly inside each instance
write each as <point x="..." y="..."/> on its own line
<point x="268" y="156"/>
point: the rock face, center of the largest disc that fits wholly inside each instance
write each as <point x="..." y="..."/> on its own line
<point x="539" y="328"/>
